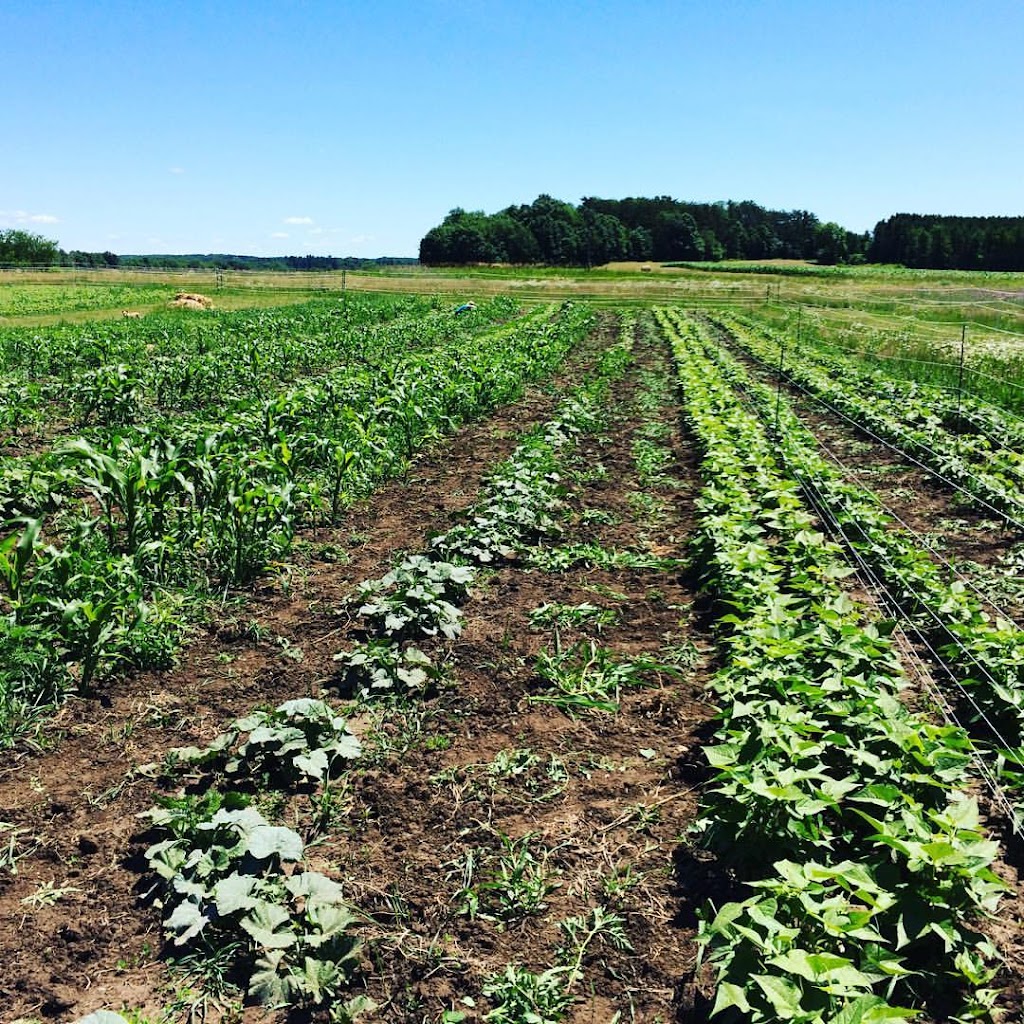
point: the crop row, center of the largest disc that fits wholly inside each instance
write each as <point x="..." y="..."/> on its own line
<point x="230" y="882"/>
<point x="842" y="810"/>
<point x="985" y="655"/>
<point x="119" y="373"/>
<point x="101" y="538"/>
<point x="934" y="430"/>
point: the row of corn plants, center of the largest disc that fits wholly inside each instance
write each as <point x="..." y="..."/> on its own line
<point x="984" y="653"/>
<point x="120" y="373"/>
<point x="943" y="434"/>
<point x="843" y="813"/>
<point x="101" y="539"/>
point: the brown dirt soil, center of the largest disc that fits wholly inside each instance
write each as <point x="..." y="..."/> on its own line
<point x="603" y="798"/>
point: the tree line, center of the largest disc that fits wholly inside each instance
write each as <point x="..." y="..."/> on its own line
<point x="949" y="243"/>
<point x="24" y="249"/>
<point x="598" y="231"/>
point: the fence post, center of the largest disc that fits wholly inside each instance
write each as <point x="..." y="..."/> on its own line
<point x="778" y="389"/>
<point x="960" y="387"/>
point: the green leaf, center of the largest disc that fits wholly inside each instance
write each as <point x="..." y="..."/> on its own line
<point x="854" y="1013"/>
<point x="266" y="840"/>
<point x="347" y="746"/>
<point x="187" y="921"/>
<point x="234" y="893"/>
<point x="266" y="986"/>
<point x="722" y="755"/>
<point x="313" y="765"/>
<point x="270" y="926"/>
<point x="730" y="995"/>
<point x="313" y="884"/>
<point x="783" y="994"/>
<point x="329" y="919"/>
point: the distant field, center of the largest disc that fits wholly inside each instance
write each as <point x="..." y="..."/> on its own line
<point x="994" y="299"/>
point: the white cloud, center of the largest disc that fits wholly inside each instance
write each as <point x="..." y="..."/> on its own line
<point x="316" y="231"/>
<point x="359" y="239"/>
<point x="298" y="220"/>
<point x="278" y="234"/>
<point x="17" y="218"/>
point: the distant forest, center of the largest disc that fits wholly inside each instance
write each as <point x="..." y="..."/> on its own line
<point x="24" y="249"/>
<point x="663" y="229"/>
<point x="949" y="243"/>
<point x="549" y="231"/>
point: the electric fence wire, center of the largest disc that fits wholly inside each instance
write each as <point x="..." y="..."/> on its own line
<point x="998" y="442"/>
<point x="875" y="584"/>
<point x="902" y="452"/>
<point x="850" y="475"/>
<point x="966" y="414"/>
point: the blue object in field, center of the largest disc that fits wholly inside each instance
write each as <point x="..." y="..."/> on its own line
<point x="465" y="307"/>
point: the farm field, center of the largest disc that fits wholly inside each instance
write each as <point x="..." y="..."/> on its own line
<point x="637" y="646"/>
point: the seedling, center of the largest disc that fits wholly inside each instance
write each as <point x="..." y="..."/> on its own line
<point x="380" y="668"/>
<point x="521" y="996"/>
<point x="417" y="598"/>
<point x="573" y="616"/>
<point x="516" y="886"/>
<point x="49" y="893"/>
<point x="589" y="677"/>
<point x="581" y="932"/>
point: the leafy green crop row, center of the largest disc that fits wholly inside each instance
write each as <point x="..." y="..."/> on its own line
<point x="842" y="810"/>
<point x="961" y="440"/>
<point x="986" y="655"/>
<point x="120" y="373"/>
<point x="232" y="885"/>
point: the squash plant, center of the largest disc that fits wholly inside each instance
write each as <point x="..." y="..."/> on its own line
<point x="225" y="878"/>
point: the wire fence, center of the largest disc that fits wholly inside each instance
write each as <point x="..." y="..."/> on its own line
<point x="877" y="580"/>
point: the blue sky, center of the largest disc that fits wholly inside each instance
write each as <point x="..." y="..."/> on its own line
<point x="352" y="128"/>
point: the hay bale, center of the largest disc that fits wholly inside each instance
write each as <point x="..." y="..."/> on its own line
<point x="131" y="314"/>
<point x="191" y="300"/>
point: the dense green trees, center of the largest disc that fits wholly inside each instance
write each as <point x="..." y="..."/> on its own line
<point x="949" y="243"/>
<point x="23" y="249"/>
<point x="600" y="230"/>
